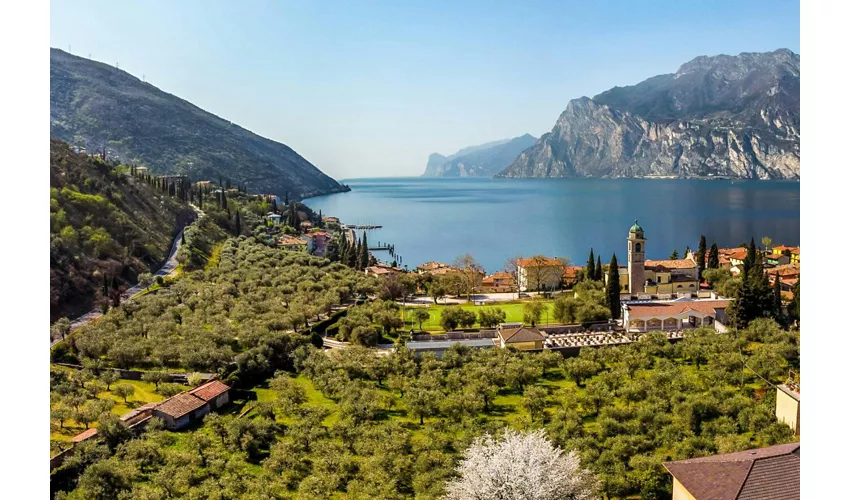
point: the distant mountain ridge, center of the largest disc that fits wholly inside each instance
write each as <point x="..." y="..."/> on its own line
<point x="721" y="116"/>
<point x="96" y="105"/>
<point x="483" y="160"/>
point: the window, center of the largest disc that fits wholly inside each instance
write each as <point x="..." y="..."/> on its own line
<point x="637" y="247"/>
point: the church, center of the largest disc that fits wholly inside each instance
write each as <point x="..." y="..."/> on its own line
<point x="656" y="277"/>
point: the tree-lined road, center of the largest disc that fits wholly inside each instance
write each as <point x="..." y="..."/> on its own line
<point x="167" y="269"/>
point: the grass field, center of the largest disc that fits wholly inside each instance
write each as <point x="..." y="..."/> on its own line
<point x="144" y="394"/>
<point x="507" y="406"/>
<point x="513" y="312"/>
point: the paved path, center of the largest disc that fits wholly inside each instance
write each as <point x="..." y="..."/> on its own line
<point x="167" y="269"/>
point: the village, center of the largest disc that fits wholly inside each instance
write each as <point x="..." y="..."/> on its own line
<point x="672" y="295"/>
<point x="536" y="304"/>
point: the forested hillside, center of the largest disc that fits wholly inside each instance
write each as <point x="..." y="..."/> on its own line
<point x="105" y="225"/>
<point x="99" y="106"/>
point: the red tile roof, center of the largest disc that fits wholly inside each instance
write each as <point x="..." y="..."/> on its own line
<point x="210" y="390"/>
<point x="668" y="309"/>
<point x="84" y="435"/>
<point x="671" y="264"/>
<point x="771" y="473"/>
<point x="539" y="262"/>
<point x="570" y="272"/>
<point x="782" y="248"/>
<point x="522" y="334"/>
<point x="181" y="404"/>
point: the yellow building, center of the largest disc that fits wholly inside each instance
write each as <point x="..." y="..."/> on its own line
<point x="788" y="406"/>
<point x="655" y="277"/>
<point x="519" y="336"/>
<point x="772" y="472"/>
<point x="794" y="252"/>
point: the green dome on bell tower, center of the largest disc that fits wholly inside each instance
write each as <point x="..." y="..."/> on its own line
<point x="636" y="228"/>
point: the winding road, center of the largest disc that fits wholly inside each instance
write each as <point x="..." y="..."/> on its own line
<point x="167" y="269"/>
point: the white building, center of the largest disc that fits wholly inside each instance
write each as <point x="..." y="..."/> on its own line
<point x="660" y="315"/>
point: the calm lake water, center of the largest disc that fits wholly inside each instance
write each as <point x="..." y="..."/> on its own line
<point x="494" y="219"/>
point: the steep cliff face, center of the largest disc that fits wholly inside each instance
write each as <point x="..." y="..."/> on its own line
<point x="723" y="116"/>
<point x="478" y="161"/>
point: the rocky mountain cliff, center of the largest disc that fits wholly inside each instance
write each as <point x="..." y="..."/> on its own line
<point x="484" y="160"/>
<point x="723" y="116"/>
<point x="95" y="105"/>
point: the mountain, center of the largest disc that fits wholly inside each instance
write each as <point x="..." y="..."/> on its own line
<point x="103" y="223"/>
<point x="95" y="105"/>
<point x="723" y="116"/>
<point x="478" y="161"/>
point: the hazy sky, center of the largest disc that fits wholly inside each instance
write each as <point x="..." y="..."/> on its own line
<point x="372" y="88"/>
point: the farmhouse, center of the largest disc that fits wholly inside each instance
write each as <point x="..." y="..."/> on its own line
<point x="180" y="410"/>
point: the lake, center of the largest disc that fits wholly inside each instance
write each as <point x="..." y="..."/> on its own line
<point x="494" y="219"/>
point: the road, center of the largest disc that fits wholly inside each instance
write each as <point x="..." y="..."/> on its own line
<point x="167" y="269"/>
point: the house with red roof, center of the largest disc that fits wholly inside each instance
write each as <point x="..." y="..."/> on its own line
<point x="771" y="473"/>
<point x="182" y="409"/>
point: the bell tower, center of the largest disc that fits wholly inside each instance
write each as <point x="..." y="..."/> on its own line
<point x="637" y="251"/>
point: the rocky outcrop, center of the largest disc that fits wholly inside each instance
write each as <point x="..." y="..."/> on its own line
<point x="723" y="116"/>
<point x="478" y="161"/>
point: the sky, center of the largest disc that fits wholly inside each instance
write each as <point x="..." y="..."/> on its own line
<point x="370" y="89"/>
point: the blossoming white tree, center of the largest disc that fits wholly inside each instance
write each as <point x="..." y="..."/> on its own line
<point x="520" y="466"/>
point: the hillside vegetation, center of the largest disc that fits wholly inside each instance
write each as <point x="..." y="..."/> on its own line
<point x="350" y="424"/>
<point x="104" y="224"/>
<point x="98" y="106"/>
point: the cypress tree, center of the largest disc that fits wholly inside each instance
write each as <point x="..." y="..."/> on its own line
<point x="590" y="271"/>
<point x="343" y="248"/>
<point x="293" y="217"/>
<point x="354" y="254"/>
<point x="750" y="260"/>
<point x="286" y="199"/>
<point x="274" y="205"/>
<point x="332" y="251"/>
<point x="612" y="288"/>
<point x="777" y="299"/>
<point x="700" y="256"/>
<point x="364" y="253"/>
<point x="754" y="298"/>
<point x="238" y="224"/>
<point x="714" y="257"/>
<point x="794" y="304"/>
<point x="674" y="254"/>
<point x="598" y="270"/>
